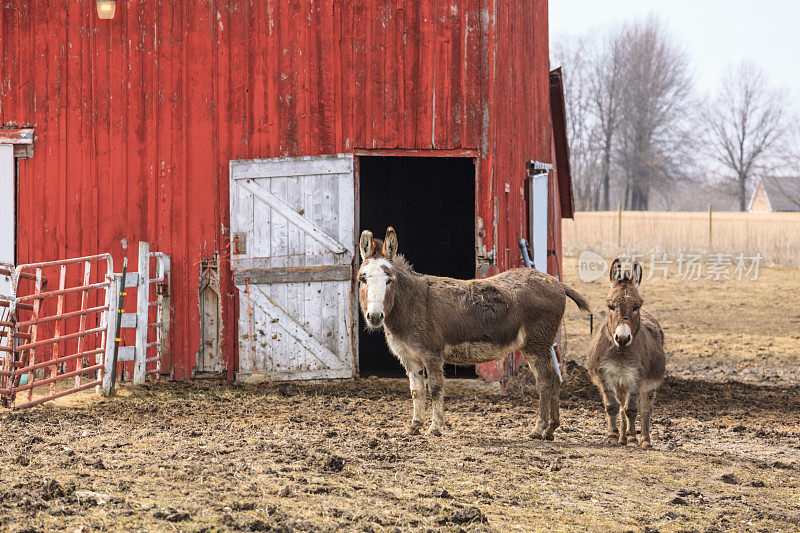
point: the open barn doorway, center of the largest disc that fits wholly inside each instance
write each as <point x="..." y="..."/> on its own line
<point x="430" y="202"/>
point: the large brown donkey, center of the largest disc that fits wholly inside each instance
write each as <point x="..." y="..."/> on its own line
<point x="429" y="321"/>
<point x="626" y="357"/>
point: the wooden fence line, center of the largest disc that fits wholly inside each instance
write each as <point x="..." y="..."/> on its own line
<point x="776" y="236"/>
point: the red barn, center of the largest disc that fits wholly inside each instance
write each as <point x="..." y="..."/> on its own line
<point x="163" y="123"/>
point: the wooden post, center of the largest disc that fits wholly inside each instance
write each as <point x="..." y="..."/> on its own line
<point x="142" y="300"/>
<point x="709" y="229"/>
<point x="112" y="317"/>
<point x="619" y="225"/>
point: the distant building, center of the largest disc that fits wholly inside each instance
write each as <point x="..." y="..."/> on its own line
<point x="773" y="193"/>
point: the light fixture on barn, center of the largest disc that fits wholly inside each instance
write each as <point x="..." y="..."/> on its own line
<point x="106" y="9"/>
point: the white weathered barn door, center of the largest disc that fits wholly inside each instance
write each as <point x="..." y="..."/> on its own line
<point x="292" y="221"/>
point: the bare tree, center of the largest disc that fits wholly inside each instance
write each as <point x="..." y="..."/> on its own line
<point x="578" y="63"/>
<point x="593" y="68"/>
<point x="745" y="122"/>
<point x="627" y="97"/>
<point x="654" y="148"/>
<point x="606" y="95"/>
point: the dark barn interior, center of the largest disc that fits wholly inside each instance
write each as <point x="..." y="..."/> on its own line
<point x="430" y="202"/>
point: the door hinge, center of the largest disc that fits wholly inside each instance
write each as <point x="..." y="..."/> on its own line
<point x="239" y="243"/>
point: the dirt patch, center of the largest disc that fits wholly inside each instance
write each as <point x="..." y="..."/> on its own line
<point x="216" y="457"/>
<point x="211" y="456"/>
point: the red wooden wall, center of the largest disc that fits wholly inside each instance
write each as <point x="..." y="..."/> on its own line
<point x="136" y="118"/>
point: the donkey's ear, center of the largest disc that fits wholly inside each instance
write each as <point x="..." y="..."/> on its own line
<point x="390" y="244"/>
<point x="636" y="273"/>
<point x="615" y="273"/>
<point x="365" y="244"/>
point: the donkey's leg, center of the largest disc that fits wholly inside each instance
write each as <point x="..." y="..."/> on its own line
<point x="624" y="398"/>
<point x="547" y="385"/>
<point x="555" y="408"/>
<point x="611" y="405"/>
<point x="631" y="410"/>
<point x="555" y="411"/>
<point x="436" y="388"/>
<point x="646" y="398"/>
<point x="416" y="379"/>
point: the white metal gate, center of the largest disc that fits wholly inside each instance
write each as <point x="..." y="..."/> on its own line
<point x="293" y="231"/>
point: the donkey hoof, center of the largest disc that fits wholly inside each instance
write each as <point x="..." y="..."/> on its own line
<point x="435" y="431"/>
<point x="622" y="441"/>
<point x="645" y="444"/>
<point x="548" y="436"/>
<point x="413" y="428"/>
<point x="538" y="435"/>
<point x="612" y="438"/>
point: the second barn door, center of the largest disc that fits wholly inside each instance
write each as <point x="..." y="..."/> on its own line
<point x="292" y="225"/>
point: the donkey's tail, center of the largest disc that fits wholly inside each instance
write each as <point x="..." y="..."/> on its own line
<point x="579" y="300"/>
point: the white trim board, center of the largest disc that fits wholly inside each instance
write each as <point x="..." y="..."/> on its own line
<point x="7" y="212"/>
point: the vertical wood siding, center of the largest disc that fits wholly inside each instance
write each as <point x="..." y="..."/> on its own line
<point x="136" y="118"/>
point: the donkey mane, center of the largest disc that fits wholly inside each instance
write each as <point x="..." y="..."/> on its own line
<point x="399" y="261"/>
<point x="403" y="266"/>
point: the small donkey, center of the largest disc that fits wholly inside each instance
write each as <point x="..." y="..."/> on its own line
<point x="626" y="357"/>
<point x="431" y="320"/>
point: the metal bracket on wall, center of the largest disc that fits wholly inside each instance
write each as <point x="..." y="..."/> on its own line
<point x="21" y="138"/>
<point x="239" y="242"/>
<point x="537" y="167"/>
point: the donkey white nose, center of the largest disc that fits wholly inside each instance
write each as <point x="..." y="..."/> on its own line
<point x="622" y="335"/>
<point x="375" y="318"/>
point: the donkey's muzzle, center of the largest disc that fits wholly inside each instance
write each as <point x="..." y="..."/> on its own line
<point x="375" y="319"/>
<point x="622" y="341"/>
<point x="622" y="336"/>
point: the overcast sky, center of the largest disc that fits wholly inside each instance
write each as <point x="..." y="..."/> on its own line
<point x="715" y="32"/>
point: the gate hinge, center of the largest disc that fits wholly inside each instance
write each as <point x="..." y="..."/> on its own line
<point x="239" y="243"/>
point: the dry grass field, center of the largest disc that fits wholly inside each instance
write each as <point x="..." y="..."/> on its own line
<point x="776" y="236"/>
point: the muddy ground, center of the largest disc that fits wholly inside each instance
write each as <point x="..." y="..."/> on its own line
<point x="212" y="456"/>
